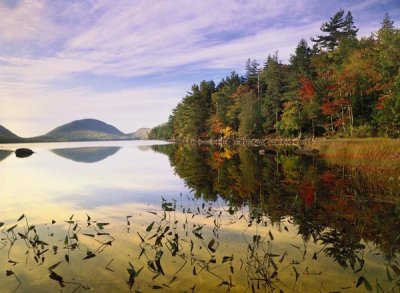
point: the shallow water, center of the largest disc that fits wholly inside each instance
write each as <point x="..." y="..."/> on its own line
<point x="223" y="219"/>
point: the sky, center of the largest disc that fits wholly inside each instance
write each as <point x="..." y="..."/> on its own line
<point x="129" y="62"/>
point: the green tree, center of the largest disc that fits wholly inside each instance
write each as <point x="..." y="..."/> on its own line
<point x="191" y="115"/>
<point x="273" y="77"/>
<point x="290" y="123"/>
<point x="222" y="103"/>
<point x="337" y="28"/>
<point x="163" y="131"/>
<point x="249" y="113"/>
<point x="253" y="75"/>
<point x="300" y="62"/>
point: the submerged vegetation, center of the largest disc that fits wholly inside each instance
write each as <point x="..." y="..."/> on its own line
<point x="192" y="245"/>
<point x="341" y="86"/>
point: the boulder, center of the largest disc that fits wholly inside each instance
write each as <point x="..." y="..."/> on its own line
<point x="306" y="152"/>
<point x="23" y="152"/>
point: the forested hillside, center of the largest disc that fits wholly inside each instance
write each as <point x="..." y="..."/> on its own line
<point x="84" y="129"/>
<point x="336" y="85"/>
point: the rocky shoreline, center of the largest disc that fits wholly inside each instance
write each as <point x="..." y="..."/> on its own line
<point x="256" y="142"/>
<point x="304" y="146"/>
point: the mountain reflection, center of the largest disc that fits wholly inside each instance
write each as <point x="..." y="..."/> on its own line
<point x="4" y="154"/>
<point x="144" y="148"/>
<point x="338" y="207"/>
<point x="86" y="154"/>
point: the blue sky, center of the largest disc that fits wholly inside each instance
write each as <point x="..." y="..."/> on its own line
<point x="129" y="62"/>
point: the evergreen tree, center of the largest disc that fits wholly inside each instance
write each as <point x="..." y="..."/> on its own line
<point x="349" y="29"/>
<point x="387" y="23"/>
<point x="336" y="28"/>
<point x="249" y="111"/>
<point x="301" y="60"/>
<point x="252" y="75"/>
<point x="272" y="100"/>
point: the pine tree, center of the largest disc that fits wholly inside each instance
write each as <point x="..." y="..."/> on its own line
<point x="336" y="28"/>
<point x="249" y="111"/>
<point x="349" y="29"/>
<point x="252" y="74"/>
<point x="272" y="100"/>
<point x="301" y="60"/>
<point x="387" y="22"/>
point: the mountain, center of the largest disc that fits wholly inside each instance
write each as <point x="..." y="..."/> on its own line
<point x="141" y="133"/>
<point x="85" y="129"/>
<point x="78" y="130"/>
<point x="6" y="136"/>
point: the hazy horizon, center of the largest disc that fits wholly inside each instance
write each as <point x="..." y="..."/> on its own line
<point x="128" y="63"/>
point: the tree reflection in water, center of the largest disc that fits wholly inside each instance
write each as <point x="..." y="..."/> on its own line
<point x="337" y="206"/>
<point x="236" y="232"/>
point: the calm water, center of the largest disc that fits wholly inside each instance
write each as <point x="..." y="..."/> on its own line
<point x="144" y="216"/>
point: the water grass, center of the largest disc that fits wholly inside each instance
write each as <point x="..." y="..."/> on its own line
<point x="368" y="153"/>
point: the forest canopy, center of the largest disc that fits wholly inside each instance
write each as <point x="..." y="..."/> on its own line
<point x="338" y="85"/>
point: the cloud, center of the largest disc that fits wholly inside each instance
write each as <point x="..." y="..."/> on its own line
<point x="135" y="40"/>
<point x="25" y="21"/>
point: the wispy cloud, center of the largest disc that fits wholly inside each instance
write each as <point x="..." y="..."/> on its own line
<point x="49" y="49"/>
<point x="24" y="22"/>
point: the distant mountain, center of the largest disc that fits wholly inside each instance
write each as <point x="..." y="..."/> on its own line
<point x="78" y="130"/>
<point x="7" y="136"/>
<point x="85" y="129"/>
<point x="141" y="133"/>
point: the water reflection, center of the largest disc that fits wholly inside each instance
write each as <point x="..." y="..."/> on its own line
<point x="4" y="154"/>
<point x="187" y="245"/>
<point x="86" y="154"/>
<point x="144" y="148"/>
<point x="341" y="208"/>
<point x="252" y="222"/>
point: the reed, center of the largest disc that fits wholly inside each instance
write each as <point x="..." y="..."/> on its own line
<point x="368" y="153"/>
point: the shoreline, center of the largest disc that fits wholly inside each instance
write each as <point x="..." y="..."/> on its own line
<point x="279" y="141"/>
<point x="385" y="148"/>
<point x="256" y="142"/>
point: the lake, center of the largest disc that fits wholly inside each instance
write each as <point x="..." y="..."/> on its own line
<point x="146" y="216"/>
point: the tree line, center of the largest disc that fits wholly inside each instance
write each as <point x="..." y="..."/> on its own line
<point x="340" y="86"/>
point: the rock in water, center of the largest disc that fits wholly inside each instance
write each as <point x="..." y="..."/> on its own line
<point x="23" y="152"/>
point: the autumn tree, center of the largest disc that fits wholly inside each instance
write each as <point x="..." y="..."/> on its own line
<point x="299" y="93"/>
<point x="222" y="121"/>
<point x="387" y="108"/>
<point x="309" y="103"/>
